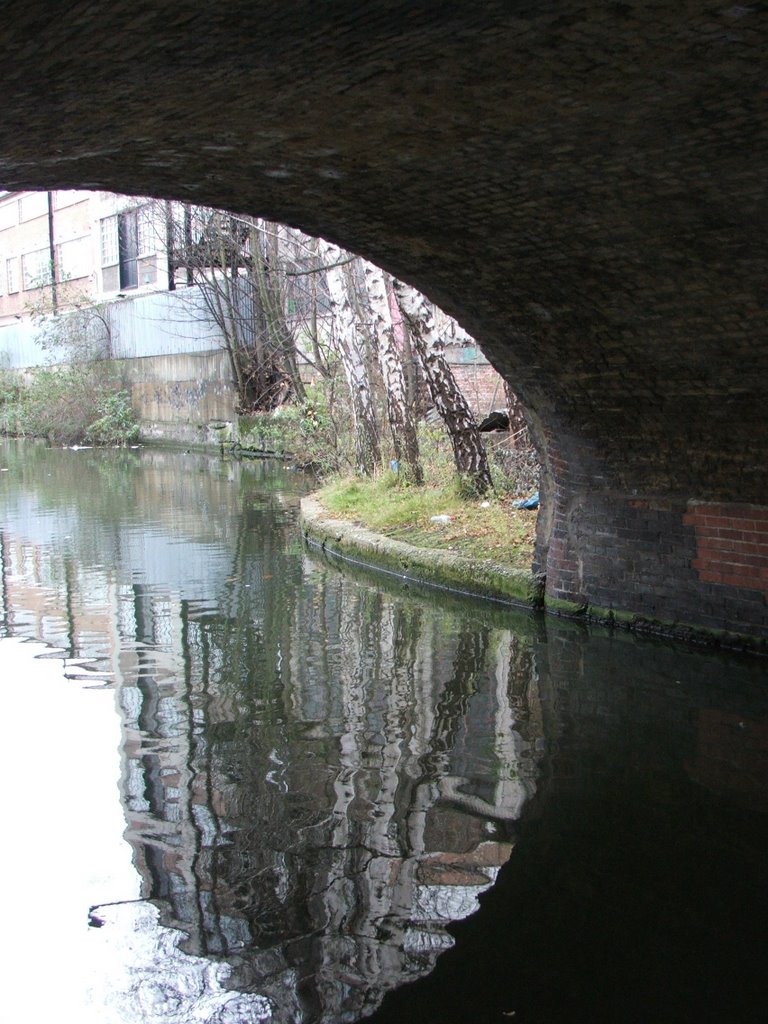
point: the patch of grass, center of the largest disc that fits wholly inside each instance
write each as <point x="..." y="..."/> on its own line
<point x="497" y="532"/>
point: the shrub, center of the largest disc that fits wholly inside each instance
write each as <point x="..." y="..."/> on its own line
<point x="68" y="405"/>
<point x="117" y="425"/>
<point x="314" y="433"/>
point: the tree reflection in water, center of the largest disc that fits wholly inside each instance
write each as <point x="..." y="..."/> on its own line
<point x="335" y="778"/>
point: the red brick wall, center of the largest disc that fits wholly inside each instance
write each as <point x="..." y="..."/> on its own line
<point x="673" y="563"/>
<point x="482" y="387"/>
<point x="731" y="544"/>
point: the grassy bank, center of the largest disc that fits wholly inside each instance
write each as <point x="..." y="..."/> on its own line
<point x="487" y="529"/>
<point x="319" y="434"/>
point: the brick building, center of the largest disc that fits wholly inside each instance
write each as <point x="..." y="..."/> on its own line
<point x="60" y="244"/>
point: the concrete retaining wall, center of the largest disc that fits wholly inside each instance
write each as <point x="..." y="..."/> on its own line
<point x="185" y="399"/>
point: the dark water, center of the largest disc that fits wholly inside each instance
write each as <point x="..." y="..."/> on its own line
<point x="282" y="789"/>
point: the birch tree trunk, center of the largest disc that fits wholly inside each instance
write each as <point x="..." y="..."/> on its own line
<point x="468" y="451"/>
<point x="401" y="423"/>
<point x="271" y="280"/>
<point x="367" y="450"/>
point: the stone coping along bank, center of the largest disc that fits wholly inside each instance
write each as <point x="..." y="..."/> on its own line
<point x="430" y="566"/>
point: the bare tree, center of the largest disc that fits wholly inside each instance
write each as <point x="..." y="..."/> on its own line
<point x="349" y="342"/>
<point x="240" y="267"/>
<point x="468" y="451"/>
<point x="269" y="244"/>
<point x="263" y="285"/>
<point x="399" y="412"/>
<point x="76" y="329"/>
<point x="518" y="428"/>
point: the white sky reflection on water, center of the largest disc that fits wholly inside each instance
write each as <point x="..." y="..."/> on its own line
<point x="64" y="849"/>
<point x="63" y="852"/>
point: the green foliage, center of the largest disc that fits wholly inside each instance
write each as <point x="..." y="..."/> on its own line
<point x="117" y="425"/>
<point x="515" y="470"/>
<point x="10" y="386"/>
<point x="10" y="391"/>
<point x="67" y="405"/>
<point x="485" y="529"/>
<point x="315" y="433"/>
<point x="466" y="486"/>
<point x="80" y="402"/>
<point x="383" y="506"/>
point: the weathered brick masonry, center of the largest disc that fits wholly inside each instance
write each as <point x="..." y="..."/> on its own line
<point x="582" y="185"/>
<point x="731" y="544"/>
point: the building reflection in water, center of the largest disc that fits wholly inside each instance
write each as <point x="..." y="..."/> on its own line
<point x="317" y="777"/>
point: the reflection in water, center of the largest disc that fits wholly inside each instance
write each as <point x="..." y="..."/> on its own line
<point x="151" y="979"/>
<point x="318" y="776"/>
<point x="324" y="786"/>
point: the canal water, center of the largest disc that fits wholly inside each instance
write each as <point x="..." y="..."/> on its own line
<point x="242" y="783"/>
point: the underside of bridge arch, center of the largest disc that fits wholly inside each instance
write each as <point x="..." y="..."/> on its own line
<point x="581" y="184"/>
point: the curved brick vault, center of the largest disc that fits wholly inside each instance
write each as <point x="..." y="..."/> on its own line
<point x="582" y="185"/>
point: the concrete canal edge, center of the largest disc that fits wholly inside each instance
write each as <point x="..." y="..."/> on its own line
<point x="429" y="566"/>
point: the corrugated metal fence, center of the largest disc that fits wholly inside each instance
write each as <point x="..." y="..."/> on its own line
<point x="156" y="324"/>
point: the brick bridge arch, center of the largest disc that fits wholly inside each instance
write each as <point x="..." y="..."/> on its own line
<point x="582" y="185"/>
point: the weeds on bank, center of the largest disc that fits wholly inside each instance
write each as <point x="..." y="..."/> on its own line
<point x="319" y="433"/>
<point x="489" y="528"/>
<point x="67" y="405"/>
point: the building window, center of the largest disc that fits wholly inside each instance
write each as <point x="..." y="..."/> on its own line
<point x="35" y="269"/>
<point x="69" y="197"/>
<point x="121" y="245"/>
<point x="109" y="249"/>
<point x="145" y="227"/>
<point x="128" y="246"/>
<point x="9" y="214"/>
<point x="74" y="259"/>
<point x="12" y="274"/>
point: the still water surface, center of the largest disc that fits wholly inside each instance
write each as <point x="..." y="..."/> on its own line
<point x="243" y="784"/>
